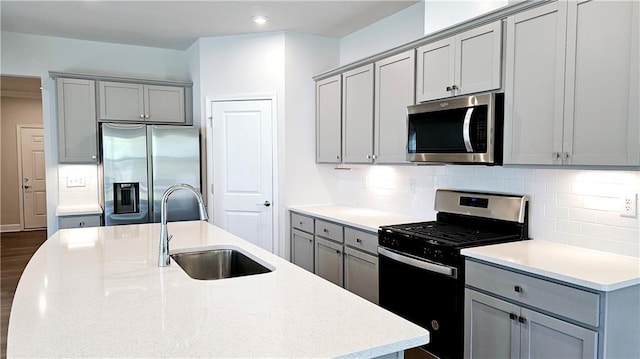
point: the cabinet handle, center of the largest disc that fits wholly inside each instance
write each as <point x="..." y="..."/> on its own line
<point x="300" y="222"/>
<point x="338" y="251"/>
<point x="81" y="224"/>
<point x="522" y="320"/>
<point x="518" y="289"/>
<point x="368" y="157"/>
<point x="325" y="230"/>
<point x="565" y="155"/>
<point x="337" y="157"/>
<point x="454" y="87"/>
<point x="374" y="157"/>
<point x="141" y="115"/>
<point x="513" y="316"/>
<point x="310" y="240"/>
<point x="555" y="155"/>
<point x="93" y="157"/>
<point x="146" y="116"/>
<point x="449" y="88"/>
<point x="358" y="240"/>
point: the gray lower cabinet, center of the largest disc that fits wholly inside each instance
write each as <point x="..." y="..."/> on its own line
<point x="512" y="314"/>
<point x="79" y="221"/>
<point x="342" y="255"/>
<point x="77" y="124"/>
<point x="328" y="260"/>
<point x="302" y="241"/>
<point x="361" y="274"/>
<point x="302" y="249"/>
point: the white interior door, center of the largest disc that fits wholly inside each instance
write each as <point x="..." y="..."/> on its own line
<point x="243" y="169"/>
<point x="33" y="184"/>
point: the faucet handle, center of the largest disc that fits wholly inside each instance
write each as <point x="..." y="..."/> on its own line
<point x="170" y="236"/>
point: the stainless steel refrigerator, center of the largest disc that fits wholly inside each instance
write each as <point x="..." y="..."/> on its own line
<point x="139" y="162"/>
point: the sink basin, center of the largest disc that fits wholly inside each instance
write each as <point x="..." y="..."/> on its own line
<point x="218" y="263"/>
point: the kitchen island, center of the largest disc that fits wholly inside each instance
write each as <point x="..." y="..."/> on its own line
<point x="98" y="292"/>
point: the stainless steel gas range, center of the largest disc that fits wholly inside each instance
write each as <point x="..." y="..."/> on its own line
<point x="421" y="270"/>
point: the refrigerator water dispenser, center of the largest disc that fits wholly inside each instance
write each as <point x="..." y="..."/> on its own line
<point x="126" y="197"/>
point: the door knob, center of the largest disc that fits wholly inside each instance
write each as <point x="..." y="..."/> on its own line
<point x="267" y="203"/>
<point x="26" y="186"/>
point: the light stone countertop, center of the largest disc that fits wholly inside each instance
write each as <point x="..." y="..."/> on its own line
<point x="98" y="292"/>
<point x="587" y="268"/>
<point x="78" y="210"/>
<point x="362" y="218"/>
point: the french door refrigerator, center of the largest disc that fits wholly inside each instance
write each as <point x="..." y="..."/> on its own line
<point x="139" y="162"/>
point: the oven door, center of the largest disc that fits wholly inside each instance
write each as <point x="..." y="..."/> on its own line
<point x="426" y="293"/>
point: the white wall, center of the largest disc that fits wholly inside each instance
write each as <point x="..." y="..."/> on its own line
<point x="395" y="30"/>
<point x="305" y="181"/>
<point x="33" y="55"/>
<point x="282" y="65"/>
<point x="440" y="14"/>
<point x="577" y="207"/>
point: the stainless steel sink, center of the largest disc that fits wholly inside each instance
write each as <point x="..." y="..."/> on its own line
<point x="218" y="263"/>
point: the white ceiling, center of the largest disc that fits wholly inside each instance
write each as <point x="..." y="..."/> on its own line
<point x="177" y="24"/>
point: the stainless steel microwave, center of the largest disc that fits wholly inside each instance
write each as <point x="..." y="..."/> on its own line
<point x="463" y="130"/>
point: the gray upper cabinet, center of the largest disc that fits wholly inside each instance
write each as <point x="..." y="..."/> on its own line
<point x="576" y="101"/>
<point x="357" y="115"/>
<point x="534" y="85"/>
<point x="394" y="91"/>
<point x="462" y="64"/>
<point x="329" y="120"/>
<point x="77" y="124"/>
<point x="120" y="101"/>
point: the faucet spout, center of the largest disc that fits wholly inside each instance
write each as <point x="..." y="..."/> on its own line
<point x="163" y="253"/>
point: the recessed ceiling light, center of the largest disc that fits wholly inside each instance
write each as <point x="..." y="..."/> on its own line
<point x="260" y="20"/>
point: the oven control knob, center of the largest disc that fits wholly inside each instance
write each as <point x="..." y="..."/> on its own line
<point x="438" y="254"/>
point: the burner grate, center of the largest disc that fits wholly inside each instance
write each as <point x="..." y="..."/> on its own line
<point x="450" y="233"/>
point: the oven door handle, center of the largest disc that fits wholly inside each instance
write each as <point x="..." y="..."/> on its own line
<point x="418" y="263"/>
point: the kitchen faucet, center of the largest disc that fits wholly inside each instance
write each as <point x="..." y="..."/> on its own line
<point x="163" y="254"/>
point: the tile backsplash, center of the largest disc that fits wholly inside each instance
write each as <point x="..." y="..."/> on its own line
<point x="77" y="185"/>
<point x="576" y="207"/>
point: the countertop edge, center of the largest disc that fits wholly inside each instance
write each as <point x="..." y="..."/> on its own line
<point x="555" y="275"/>
<point x="66" y="211"/>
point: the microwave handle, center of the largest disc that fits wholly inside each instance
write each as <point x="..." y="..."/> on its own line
<point x="466" y="129"/>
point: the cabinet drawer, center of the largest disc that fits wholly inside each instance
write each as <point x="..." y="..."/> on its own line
<point x="365" y="241"/>
<point x="568" y="302"/>
<point x="79" y="221"/>
<point x="329" y="230"/>
<point x="301" y="222"/>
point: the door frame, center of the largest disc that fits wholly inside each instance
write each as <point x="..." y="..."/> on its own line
<point x="274" y="150"/>
<point x="20" y="176"/>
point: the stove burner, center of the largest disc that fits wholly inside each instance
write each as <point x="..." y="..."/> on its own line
<point x="438" y="233"/>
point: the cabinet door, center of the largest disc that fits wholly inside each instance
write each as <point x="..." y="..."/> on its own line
<point x="357" y="115"/>
<point x="361" y="274"/>
<point x="329" y="120"/>
<point x="478" y="64"/>
<point x="601" y="98"/>
<point x="328" y="260"/>
<point x="121" y="101"/>
<point x="435" y="70"/>
<point x="534" y="86"/>
<point x="546" y="337"/>
<point x="394" y="91"/>
<point x="77" y="124"/>
<point x="302" y="249"/>
<point x="490" y="327"/>
<point x="164" y="104"/>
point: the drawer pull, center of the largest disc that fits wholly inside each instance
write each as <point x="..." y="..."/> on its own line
<point x="325" y="230"/>
<point x="518" y="289"/>
<point x="81" y="224"/>
<point x="358" y="240"/>
<point x="301" y="223"/>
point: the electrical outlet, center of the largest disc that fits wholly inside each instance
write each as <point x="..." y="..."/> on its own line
<point x="629" y="205"/>
<point x="75" y="181"/>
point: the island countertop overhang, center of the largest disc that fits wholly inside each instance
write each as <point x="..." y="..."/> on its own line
<point x="99" y="292"/>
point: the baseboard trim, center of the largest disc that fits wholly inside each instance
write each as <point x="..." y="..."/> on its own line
<point x="10" y="228"/>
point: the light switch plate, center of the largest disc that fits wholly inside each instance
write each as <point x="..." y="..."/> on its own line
<point x="75" y="181"/>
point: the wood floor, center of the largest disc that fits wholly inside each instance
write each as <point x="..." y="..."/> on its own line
<point x="16" y="248"/>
